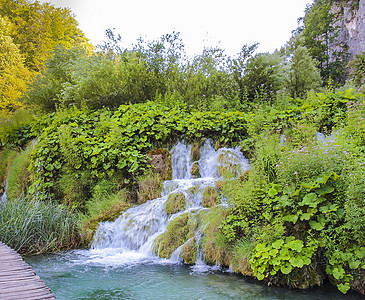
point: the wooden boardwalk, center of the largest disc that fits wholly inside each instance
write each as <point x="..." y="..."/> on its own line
<point x="18" y="280"/>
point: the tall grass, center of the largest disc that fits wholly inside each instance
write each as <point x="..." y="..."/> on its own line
<point x="32" y="227"/>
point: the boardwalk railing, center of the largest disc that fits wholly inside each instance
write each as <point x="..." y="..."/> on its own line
<point x="18" y="280"/>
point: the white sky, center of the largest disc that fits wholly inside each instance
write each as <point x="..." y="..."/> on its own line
<point x="228" y="24"/>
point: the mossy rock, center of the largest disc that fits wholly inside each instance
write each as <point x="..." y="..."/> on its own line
<point x="226" y="167"/>
<point x="149" y="187"/>
<point x="189" y="251"/>
<point x="195" y="170"/>
<point x="214" y="249"/>
<point x="175" y="203"/>
<point x="195" y="151"/>
<point x="160" y="160"/>
<point x="89" y="228"/>
<point x="175" y="236"/>
<point x="210" y="197"/>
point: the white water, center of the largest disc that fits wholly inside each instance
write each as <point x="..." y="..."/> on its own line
<point x="131" y="237"/>
<point x="3" y="197"/>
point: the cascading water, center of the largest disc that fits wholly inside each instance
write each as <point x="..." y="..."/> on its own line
<point x="122" y="264"/>
<point x="132" y="235"/>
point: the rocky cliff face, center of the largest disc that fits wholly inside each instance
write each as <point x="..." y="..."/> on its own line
<point x="350" y="19"/>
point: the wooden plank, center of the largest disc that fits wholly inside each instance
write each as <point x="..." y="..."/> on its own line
<point x="18" y="280"/>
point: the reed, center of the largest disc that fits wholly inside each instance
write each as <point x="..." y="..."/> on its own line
<point x="33" y="227"/>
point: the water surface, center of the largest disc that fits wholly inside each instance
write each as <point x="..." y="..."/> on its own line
<point x="81" y="274"/>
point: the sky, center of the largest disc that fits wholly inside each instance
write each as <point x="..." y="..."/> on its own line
<point x="229" y="24"/>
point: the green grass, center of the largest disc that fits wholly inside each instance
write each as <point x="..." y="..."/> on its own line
<point x="33" y="227"/>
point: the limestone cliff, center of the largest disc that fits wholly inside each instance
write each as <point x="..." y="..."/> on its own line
<point x="350" y="19"/>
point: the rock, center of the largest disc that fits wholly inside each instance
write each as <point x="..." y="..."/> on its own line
<point x="175" y="203"/>
<point x="350" y="19"/>
<point x="189" y="252"/>
<point x="195" y="170"/>
<point x="210" y="197"/>
<point x="195" y="152"/>
<point x="160" y="160"/>
<point x="175" y="236"/>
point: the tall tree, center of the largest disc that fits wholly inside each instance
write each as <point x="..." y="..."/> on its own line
<point x="14" y="76"/>
<point x="39" y="27"/>
<point x="321" y="38"/>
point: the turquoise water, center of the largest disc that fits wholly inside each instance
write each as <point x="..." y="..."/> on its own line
<point x="79" y="275"/>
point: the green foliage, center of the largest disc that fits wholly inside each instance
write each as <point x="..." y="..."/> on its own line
<point x="320" y="37"/>
<point x="6" y="158"/>
<point x="46" y="90"/>
<point x="18" y="178"/>
<point x="40" y="27"/>
<point x="358" y="72"/>
<point x="283" y="256"/>
<point x="106" y="144"/>
<point x="38" y="227"/>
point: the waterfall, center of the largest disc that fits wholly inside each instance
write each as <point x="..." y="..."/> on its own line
<point x="132" y="235"/>
<point x="3" y="196"/>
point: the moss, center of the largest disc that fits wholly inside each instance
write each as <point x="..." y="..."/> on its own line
<point x="210" y="197"/>
<point x="90" y="226"/>
<point x="189" y="251"/>
<point x="149" y="187"/>
<point x="175" y="236"/>
<point x="226" y="167"/>
<point x="194" y="189"/>
<point x="195" y="170"/>
<point x="215" y="250"/>
<point x="175" y="203"/>
<point x="195" y="151"/>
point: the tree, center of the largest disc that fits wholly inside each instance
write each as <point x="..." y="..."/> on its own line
<point x="46" y="90"/>
<point x="263" y="75"/>
<point x="14" y="77"/>
<point x="38" y="28"/>
<point x="320" y="36"/>
<point x="301" y="72"/>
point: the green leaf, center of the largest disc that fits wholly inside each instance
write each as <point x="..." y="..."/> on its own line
<point x="310" y="200"/>
<point x="316" y="225"/>
<point x="354" y="264"/>
<point x="277" y="244"/>
<point x="343" y="287"/>
<point x="324" y="190"/>
<point x="286" y="268"/>
<point x="296" y="262"/>
<point x="290" y="218"/>
<point x="272" y="192"/>
<point x="338" y="273"/>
